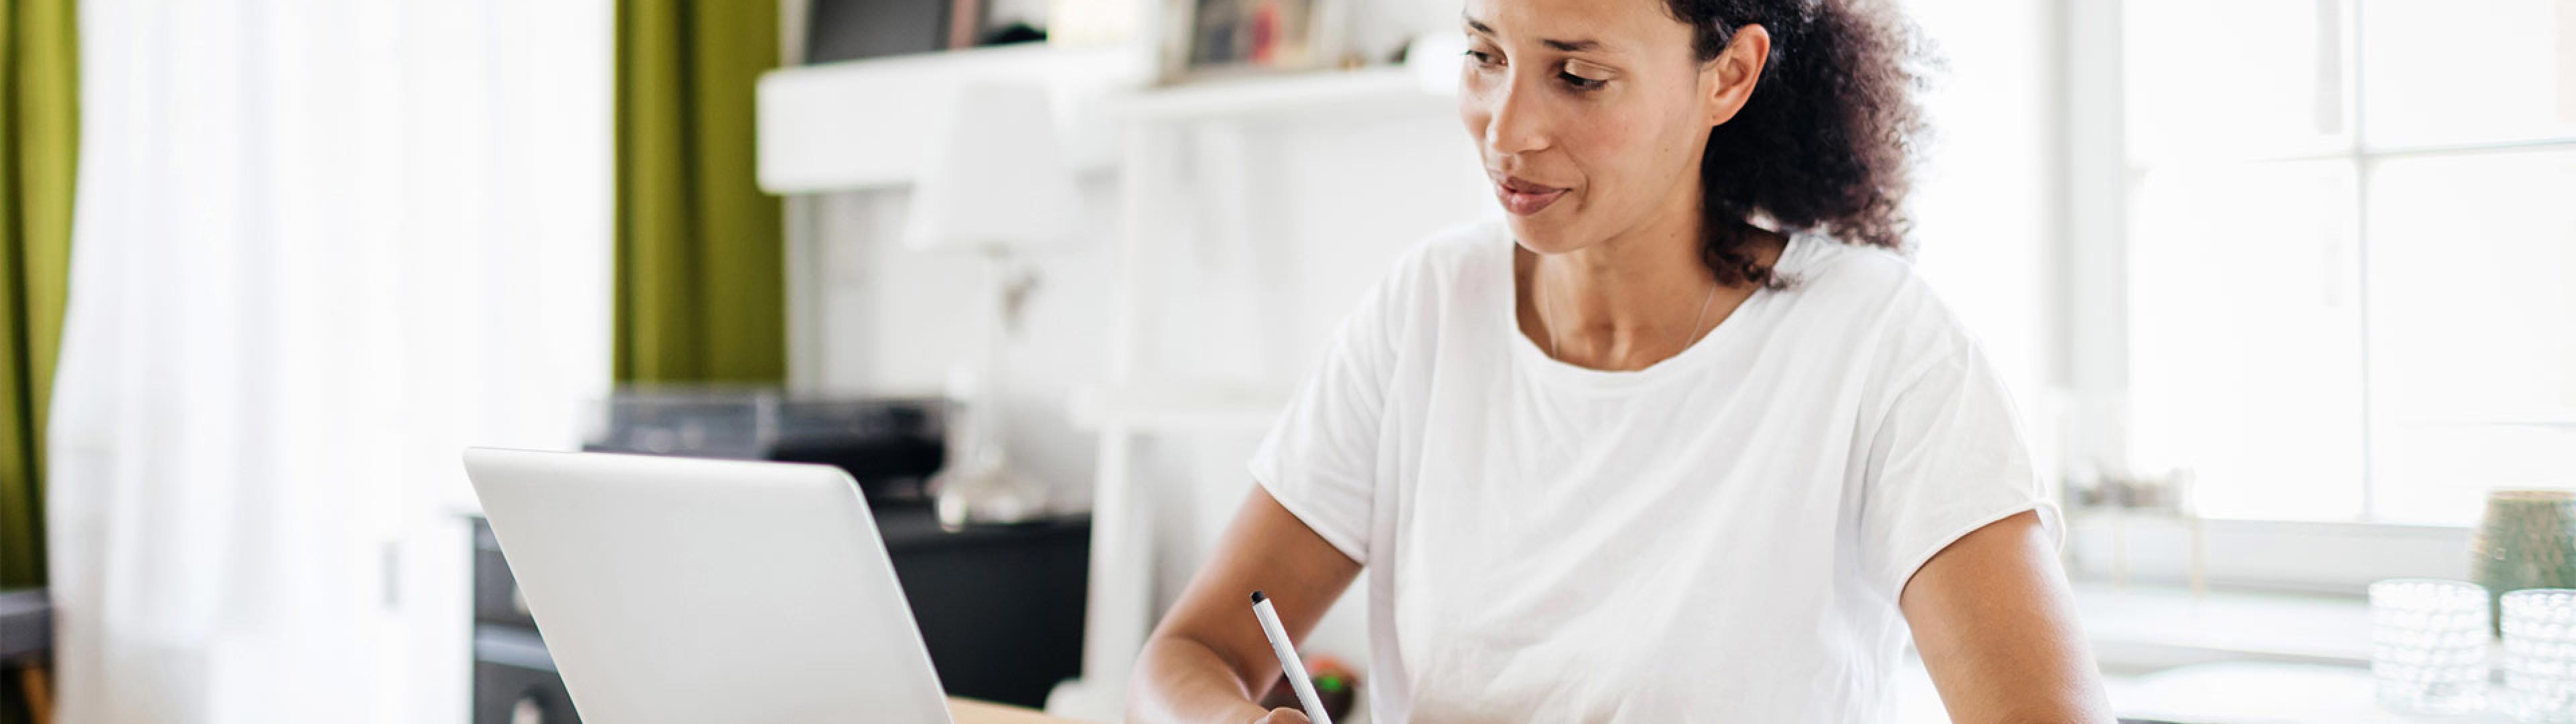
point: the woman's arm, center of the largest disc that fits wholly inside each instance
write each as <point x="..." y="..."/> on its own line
<point x="1208" y="659"/>
<point x="1997" y="628"/>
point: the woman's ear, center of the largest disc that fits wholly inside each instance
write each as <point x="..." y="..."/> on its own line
<point x="1727" y="81"/>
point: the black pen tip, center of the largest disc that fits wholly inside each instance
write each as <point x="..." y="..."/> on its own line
<point x="1256" y="597"/>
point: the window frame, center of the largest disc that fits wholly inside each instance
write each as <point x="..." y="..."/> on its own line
<point x="2100" y="180"/>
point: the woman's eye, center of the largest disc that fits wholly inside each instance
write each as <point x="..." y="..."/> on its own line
<point x="1481" y="57"/>
<point x="1581" y="83"/>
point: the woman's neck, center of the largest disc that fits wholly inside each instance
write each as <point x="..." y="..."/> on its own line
<point x="1629" y="301"/>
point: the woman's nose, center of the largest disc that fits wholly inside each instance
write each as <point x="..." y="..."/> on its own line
<point x="1514" y="123"/>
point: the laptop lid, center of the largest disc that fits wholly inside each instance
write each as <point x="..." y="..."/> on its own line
<point x="689" y="590"/>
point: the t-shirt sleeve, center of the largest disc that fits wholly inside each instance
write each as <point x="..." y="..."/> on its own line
<point x="1320" y="458"/>
<point x="1948" y="457"/>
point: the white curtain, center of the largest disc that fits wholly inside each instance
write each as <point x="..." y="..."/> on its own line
<point x="319" y="246"/>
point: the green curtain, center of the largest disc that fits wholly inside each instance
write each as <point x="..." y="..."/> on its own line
<point x="700" y="287"/>
<point x="39" y="142"/>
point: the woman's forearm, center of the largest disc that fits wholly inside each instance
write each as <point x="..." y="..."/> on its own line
<point x="1179" y="681"/>
<point x="1208" y="659"/>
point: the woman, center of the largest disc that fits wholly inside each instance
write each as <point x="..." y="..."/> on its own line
<point x="1678" y="439"/>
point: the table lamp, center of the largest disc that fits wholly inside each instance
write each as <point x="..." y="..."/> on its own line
<point x="995" y="185"/>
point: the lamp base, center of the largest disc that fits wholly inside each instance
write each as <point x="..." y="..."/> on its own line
<point x="984" y="490"/>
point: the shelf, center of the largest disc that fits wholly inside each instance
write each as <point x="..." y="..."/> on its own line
<point x="1247" y="97"/>
<point x="870" y="123"/>
<point x="865" y="124"/>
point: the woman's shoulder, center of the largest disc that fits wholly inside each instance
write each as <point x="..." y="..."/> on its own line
<point x="1873" y="291"/>
<point x="1823" y="266"/>
<point x="1459" y="250"/>
<point x="1447" y="263"/>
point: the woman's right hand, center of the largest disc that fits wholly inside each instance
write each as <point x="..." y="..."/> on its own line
<point x="1208" y="661"/>
<point x="1283" y="716"/>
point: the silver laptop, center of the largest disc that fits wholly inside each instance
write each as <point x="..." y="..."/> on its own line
<point x="680" y="590"/>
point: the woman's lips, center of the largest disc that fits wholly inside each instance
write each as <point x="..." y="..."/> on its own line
<point x="1522" y="197"/>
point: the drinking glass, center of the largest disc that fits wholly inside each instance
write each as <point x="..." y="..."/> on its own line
<point x="2540" y="654"/>
<point x="2428" y="645"/>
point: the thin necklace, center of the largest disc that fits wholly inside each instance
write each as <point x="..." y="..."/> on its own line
<point x="1686" y="339"/>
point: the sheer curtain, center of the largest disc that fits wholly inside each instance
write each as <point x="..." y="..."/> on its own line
<point x="318" y="247"/>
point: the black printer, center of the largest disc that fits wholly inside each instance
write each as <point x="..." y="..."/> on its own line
<point x="892" y="445"/>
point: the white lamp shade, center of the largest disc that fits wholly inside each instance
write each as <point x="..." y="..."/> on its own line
<point x="997" y="181"/>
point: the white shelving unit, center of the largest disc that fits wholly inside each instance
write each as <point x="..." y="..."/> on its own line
<point x="865" y="124"/>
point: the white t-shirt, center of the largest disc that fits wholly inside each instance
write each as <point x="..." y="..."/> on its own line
<point x="1719" y="537"/>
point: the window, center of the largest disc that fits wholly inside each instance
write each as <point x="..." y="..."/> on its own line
<point x="2351" y="252"/>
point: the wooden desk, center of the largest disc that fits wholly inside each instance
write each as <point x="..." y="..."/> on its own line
<point x="969" y="711"/>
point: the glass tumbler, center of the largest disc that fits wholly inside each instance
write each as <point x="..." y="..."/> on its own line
<point x="2540" y="654"/>
<point x="2428" y="645"/>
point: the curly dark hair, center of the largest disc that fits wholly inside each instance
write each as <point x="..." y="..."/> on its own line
<point x="1825" y="141"/>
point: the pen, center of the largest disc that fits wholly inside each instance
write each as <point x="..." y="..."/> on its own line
<point x="1297" y="679"/>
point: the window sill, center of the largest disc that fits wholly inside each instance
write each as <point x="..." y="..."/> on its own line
<point x="2332" y="559"/>
<point x="2144" y="629"/>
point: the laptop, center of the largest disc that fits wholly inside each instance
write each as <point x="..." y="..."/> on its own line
<point x="691" y="590"/>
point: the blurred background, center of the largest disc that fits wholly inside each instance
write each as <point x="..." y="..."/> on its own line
<point x="2286" y="290"/>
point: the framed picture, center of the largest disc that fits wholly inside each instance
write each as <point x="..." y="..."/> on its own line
<point x="1216" y="38"/>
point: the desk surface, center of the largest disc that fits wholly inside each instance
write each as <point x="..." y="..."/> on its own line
<point x="969" y="711"/>
<point x="2268" y="692"/>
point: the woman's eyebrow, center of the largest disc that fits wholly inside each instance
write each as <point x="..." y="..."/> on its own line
<point x="1569" y="46"/>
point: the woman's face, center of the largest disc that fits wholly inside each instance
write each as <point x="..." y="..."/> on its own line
<point x="1590" y="115"/>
